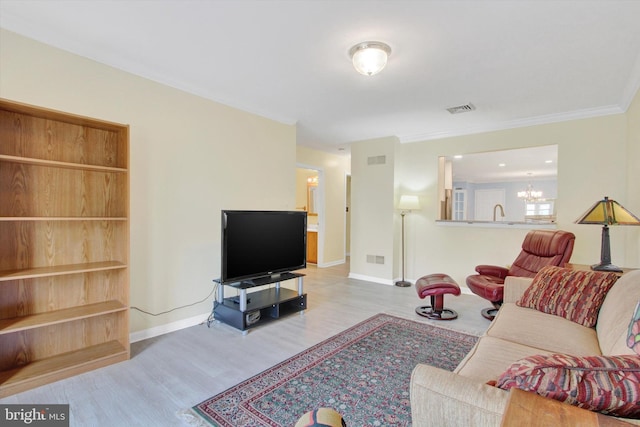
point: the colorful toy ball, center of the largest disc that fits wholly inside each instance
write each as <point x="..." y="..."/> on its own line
<point x="321" y="417"/>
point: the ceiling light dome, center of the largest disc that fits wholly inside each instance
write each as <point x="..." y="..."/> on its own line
<point x="369" y="58"/>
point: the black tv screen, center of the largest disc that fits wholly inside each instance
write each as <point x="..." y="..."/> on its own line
<point x="262" y="243"/>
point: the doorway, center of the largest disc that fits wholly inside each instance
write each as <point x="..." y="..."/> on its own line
<point x="310" y="198"/>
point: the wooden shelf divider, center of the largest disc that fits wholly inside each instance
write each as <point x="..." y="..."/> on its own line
<point x="59" y="270"/>
<point x="61" y="366"/>
<point x="63" y="165"/>
<point x="62" y="218"/>
<point x="49" y="318"/>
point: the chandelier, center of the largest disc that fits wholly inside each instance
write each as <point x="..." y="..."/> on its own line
<point x="529" y="194"/>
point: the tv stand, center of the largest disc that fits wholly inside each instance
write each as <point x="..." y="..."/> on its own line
<point x="264" y="305"/>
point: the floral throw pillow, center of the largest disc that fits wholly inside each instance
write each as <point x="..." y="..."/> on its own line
<point x="576" y="295"/>
<point x="633" y="337"/>
<point x="606" y="384"/>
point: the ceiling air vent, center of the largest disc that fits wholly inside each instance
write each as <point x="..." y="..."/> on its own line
<point x="461" y="108"/>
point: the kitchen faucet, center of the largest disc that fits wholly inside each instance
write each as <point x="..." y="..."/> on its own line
<point x="501" y="211"/>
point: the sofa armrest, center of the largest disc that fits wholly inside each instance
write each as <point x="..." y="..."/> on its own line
<point x="442" y="398"/>
<point x="514" y="288"/>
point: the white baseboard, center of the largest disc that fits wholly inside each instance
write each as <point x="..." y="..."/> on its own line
<point x="463" y="289"/>
<point x="370" y="279"/>
<point x="332" y="263"/>
<point x="169" y="327"/>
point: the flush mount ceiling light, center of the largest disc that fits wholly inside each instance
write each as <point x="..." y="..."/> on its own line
<point x="369" y="58"/>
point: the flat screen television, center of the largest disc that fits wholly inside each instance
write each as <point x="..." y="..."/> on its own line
<point x="258" y="244"/>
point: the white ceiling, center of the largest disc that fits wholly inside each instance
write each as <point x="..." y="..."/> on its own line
<point x="518" y="62"/>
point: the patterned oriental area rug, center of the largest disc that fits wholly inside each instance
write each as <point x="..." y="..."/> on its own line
<point x="363" y="373"/>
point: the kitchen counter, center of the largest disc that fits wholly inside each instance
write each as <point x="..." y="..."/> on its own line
<point x="499" y="224"/>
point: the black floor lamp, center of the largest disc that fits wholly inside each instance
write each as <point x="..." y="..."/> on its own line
<point x="407" y="204"/>
<point x="607" y="212"/>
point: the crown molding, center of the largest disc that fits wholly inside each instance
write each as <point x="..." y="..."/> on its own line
<point x="513" y="124"/>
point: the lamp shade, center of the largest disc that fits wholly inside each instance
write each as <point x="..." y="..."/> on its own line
<point x="369" y="58"/>
<point x="409" y="203"/>
<point x="608" y="212"/>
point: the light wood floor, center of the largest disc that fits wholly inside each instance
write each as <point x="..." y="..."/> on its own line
<point x="178" y="370"/>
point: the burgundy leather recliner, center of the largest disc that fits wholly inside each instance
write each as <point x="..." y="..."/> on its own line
<point x="539" y="249"/>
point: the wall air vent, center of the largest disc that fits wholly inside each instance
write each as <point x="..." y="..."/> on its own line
<point x="375" y="259"/>
<point x="376" y="160"/>
<point x="461" y="108"/>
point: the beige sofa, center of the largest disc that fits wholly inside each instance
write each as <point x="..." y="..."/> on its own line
<point x="462" y="397"/>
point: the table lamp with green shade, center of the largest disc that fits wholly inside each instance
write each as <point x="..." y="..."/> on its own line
<point x="607" y="212"/>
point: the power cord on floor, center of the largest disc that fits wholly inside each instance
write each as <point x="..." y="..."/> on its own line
<point x="182" y="306"/>
<point x="211" y="318"/>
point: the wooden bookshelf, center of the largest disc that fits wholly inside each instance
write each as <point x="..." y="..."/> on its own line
<point x="64" y="258"/>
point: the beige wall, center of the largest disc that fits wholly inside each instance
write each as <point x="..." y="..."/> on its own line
<point x="190" y="158"/>
<point x="597" y="157"/>
<point x="332" y="190"/>
<point x="372" y="210"/>
<point x="632" y="202"/>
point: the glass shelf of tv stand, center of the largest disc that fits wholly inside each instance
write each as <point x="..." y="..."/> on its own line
<point x="264" y="280"/>
<point x="259" y="281"/>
